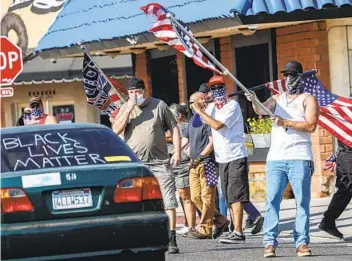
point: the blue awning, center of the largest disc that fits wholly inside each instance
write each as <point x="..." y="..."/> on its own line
<point x="255" y="7"/>
<point x="96" y="20"/>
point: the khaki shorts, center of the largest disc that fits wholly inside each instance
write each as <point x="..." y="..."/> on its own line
<point x="165" y="176"/>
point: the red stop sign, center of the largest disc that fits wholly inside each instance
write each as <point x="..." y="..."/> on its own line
<point x="11" y="64"/>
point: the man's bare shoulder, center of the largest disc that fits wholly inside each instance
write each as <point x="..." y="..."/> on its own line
<point x="51" y="119"/>
<point x="309" y="100"/>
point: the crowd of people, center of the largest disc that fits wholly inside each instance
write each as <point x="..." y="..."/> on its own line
<point x="199" y="152"/>
<point x="209" y="166"/>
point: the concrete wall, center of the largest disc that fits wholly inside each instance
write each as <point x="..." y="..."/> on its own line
<point x="340" y="55"/>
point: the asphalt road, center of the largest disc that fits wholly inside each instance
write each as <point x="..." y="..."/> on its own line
<point x="323" y="249"/>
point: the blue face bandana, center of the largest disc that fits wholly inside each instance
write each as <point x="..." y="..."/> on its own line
<point x="37" y="113"/>
<point x="220" y="97"/>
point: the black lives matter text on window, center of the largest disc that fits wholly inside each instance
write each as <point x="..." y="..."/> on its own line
<point x="48" y="150"/>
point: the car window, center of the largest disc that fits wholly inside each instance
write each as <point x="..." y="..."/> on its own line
<point x="63" y="148"/>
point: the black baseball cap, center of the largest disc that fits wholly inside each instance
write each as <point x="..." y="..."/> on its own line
<point x="293" y="66"/>
<point x="203" y="88"/>
<point x="135" y="83"/>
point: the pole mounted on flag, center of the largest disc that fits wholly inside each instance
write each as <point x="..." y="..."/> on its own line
<point x="224" y="70"/>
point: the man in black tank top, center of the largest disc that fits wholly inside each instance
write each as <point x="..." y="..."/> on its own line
<point x="343" y="195"/>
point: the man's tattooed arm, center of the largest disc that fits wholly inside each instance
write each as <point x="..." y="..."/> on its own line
<point x="311" y="117"/>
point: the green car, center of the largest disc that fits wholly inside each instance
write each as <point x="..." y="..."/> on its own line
<point x="73" y="191"/>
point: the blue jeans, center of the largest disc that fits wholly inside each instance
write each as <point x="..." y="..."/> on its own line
<point x="222" y="201"/>
<point x="278" y="174"/>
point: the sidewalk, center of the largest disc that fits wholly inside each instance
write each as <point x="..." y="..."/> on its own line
<point x="288" y="214"/>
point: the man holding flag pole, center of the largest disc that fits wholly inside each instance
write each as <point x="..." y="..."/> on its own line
<point x="290" y="158"/>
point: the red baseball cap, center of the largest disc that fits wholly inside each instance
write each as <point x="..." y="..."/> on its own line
<point x="216" y="80"/>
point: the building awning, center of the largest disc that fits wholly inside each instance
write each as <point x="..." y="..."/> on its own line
<point x="257" y="11"/>
<point x="39" y="70"/>
<point x="108" y="24"/>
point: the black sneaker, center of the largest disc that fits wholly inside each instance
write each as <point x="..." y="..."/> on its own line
<point x="234" y="238"/>
<point x="173" y="249"/>
<point x="249" y="224"/>
<point x="257" y="225"/>
<point x="219" y="230"/>
<point x="330" y="228"/>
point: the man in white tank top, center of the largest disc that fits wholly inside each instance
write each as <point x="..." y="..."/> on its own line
<point x="290" y="157"/>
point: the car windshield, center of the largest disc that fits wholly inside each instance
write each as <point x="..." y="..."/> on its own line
<point x="62" y="148"/>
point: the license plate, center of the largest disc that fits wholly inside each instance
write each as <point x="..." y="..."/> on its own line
<point x="71" y="199"/>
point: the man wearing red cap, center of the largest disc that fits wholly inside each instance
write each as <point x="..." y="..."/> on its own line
<point x="224" y="116"/>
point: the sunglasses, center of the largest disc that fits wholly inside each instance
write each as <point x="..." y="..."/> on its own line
<point x="217" y="87"/>
<point x="293" y="74"/>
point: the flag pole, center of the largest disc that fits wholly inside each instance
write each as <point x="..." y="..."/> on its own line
<point x="224" y="70"/>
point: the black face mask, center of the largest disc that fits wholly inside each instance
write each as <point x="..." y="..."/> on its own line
<point x="293" y="83"/>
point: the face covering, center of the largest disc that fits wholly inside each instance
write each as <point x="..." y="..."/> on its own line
<point x="220" y="97"/>
<point x="26" y="118"/>
<point x="293" y="84"/>
<point x="37" y="113"/>
<point x="140" y="99"/>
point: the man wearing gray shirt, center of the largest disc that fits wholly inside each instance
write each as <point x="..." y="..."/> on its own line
<point x="144" y="132"/>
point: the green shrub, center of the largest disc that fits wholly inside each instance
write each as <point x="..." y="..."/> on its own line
<point x="260" y="125"/>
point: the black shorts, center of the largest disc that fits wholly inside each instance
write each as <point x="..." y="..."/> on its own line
<point x="234" y="181"/>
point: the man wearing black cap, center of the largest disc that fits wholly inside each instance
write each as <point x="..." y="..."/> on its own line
<point x="37" y="115"/>
<point x="204" y="89"/>
<point x="144" y="132"/>
<point x="290" y="158"/>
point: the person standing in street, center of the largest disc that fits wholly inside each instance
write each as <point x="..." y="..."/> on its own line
<point x="144" y="132"/>
<point x="224" y="116"/>
<point x="290" y="157"/>
<point x="254" y="221"/>
<point x="37" y="115"/>
<point x="203" y="175"/>
<point x="343" y="195"/>
<point x="182" y="171"/>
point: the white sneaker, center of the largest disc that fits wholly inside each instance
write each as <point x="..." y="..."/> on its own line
<point x="183" y="231"/>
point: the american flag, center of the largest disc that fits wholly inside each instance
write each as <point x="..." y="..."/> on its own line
<point x="330" y="163"/>
<point x="210" y="173"/>
<point x="335" y="111"/>
<point x="173" y="36"/>
<point x="99" y="92"/>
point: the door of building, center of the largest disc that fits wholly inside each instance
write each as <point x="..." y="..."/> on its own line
<point x="252" y="68"/>
<point x="164" y="78"/>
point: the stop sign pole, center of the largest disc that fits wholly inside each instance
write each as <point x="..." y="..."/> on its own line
<point x="11" y="64"/>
